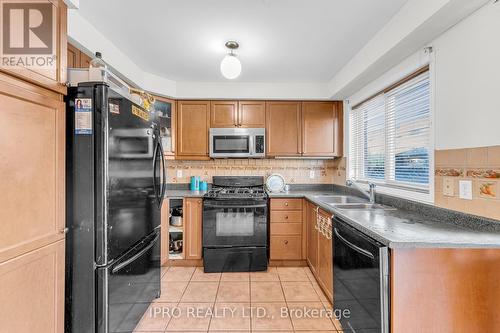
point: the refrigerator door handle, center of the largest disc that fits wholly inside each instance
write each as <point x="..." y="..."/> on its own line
<point x="135" y="256"/>
<point x="154" y="173"/>
<point x="164" y="174"/>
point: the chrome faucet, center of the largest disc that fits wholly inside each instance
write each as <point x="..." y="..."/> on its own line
<point x="370" y="194"/>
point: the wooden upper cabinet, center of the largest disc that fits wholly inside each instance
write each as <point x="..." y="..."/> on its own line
<point x="32" y="151"/>
<point x="193" y="120"/>
<point x="224" y="114"/>
<point x="320" y="129"/>
<point x="283" y="128"/>
<point x="51" y="77"/>
<point x="73" y="56"/>
<point x="252" y="114"/>
<point x="84" y="60"/>
<point x="193" y="212"/>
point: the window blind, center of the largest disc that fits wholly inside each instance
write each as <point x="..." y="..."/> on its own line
<point x="389" y="136"/>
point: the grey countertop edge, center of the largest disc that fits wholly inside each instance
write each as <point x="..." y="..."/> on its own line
<point x="310" y="195"/>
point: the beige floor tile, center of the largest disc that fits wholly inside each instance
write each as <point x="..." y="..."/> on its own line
<point x="179" y="274"/>
<point x="171" y="291"/>
<point x="299" y="292"/>
<point x="320" y="292"/>
<point x="270" y="317"/>
<point x="200" y="276"/>
<point x="191" y="317"/>
<point x="234" y="317"/>
<point x="233" y="292"/>
<point x="156" y="318"/>
<point x="270" y="275"/>
<point x="200" y="292"/>
<point x="266" y="292"/>
<point x="236" y="277"/>
<point x="310" y="316"/>
<point x="164" y="269"/>
<point x="292" y="274"/>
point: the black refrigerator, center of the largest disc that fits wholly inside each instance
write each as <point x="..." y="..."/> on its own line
<point x="115" y="188"/>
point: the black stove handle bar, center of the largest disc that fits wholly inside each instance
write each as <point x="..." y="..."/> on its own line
<point x="207" y="204"/>
<point x="353" y="246"/>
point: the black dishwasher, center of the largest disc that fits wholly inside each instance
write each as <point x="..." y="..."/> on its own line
<point x="361" y="280"/>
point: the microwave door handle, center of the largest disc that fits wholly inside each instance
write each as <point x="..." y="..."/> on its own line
<point x="251" y="144"/>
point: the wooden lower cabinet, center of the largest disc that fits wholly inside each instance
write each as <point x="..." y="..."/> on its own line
<point x="445" y="290"/>
<point x="165" y="223"/>
<point x="32" y="291"/>
<point x="287" y="242"/>
<point x="319" y="250"/>
<point x="324" y="271"/>
<point x="193" y="215"/>
<point x="312" y="237"/>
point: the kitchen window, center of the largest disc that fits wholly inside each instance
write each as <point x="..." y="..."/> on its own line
<point x="390" y="136"/>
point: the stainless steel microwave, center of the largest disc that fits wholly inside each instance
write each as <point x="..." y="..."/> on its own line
<point x="237" y="142"/>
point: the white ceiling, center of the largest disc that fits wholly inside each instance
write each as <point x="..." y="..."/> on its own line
<point x="281" y="40"/>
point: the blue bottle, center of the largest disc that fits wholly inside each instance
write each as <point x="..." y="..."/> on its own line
<point x="195" y="183"/>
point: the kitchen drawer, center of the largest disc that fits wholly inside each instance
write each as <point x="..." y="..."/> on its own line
<point x="286" y="229"/>
<point x="286" y="247"/>
<point x="286" y="204"/>
<point x="286" y="216"/>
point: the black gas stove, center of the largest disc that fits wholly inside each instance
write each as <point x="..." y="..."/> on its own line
<point x="234" y="187"/>
<point x="235" y="228"/>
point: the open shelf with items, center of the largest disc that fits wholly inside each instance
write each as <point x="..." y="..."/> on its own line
<point x="176" y="230"/>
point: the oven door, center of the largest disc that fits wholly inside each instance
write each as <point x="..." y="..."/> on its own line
<point x="229" y="223"/>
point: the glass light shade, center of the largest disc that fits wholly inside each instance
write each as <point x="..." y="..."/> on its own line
<point x="230" y="67"/>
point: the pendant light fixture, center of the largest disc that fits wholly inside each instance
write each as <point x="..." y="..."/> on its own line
<point x="230" y="66"/>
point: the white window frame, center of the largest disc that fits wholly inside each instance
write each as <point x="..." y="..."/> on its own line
<point x="405" y="69"/>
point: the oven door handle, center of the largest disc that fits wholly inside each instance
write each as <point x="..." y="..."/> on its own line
<point x="205" y="204"/>
<point x="352" y="246"/>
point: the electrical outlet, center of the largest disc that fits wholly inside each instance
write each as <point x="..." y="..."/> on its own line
<point x="449" y="187"/>
<point x="465" y="189"/>
<point x="179" y="173"/>
<point x="311" y="174"/>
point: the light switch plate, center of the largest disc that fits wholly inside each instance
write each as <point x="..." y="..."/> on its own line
<point x="311" y="174"/>
<point x="465" y="189"/>
<point x="449" y="187"/>
<point x="179" y="173"/>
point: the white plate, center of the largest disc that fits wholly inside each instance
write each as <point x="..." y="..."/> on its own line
<point x="275" y="183"/>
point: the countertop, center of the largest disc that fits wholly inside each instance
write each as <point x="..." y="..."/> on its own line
<point x="405" y="228"/>
<point x="399" y="228"/>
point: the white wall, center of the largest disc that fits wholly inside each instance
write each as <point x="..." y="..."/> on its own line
<point x="466" y="81"/>
<point x="467" y="63"/>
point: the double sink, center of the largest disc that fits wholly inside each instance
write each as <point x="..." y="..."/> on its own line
<point x="345" y="202"/>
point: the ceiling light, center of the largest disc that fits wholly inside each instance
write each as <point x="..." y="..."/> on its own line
<point x="230" y="66"/>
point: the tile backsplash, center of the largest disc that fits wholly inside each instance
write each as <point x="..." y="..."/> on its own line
<point x="481" y="166"/>
<point x="295" y="171"/>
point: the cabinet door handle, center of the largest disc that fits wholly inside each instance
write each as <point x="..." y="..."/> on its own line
<point x="286" y="242"/>
<point x="286" y="217"/>
<point x="286" y="203"/>
<point x="64" y="231"/>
